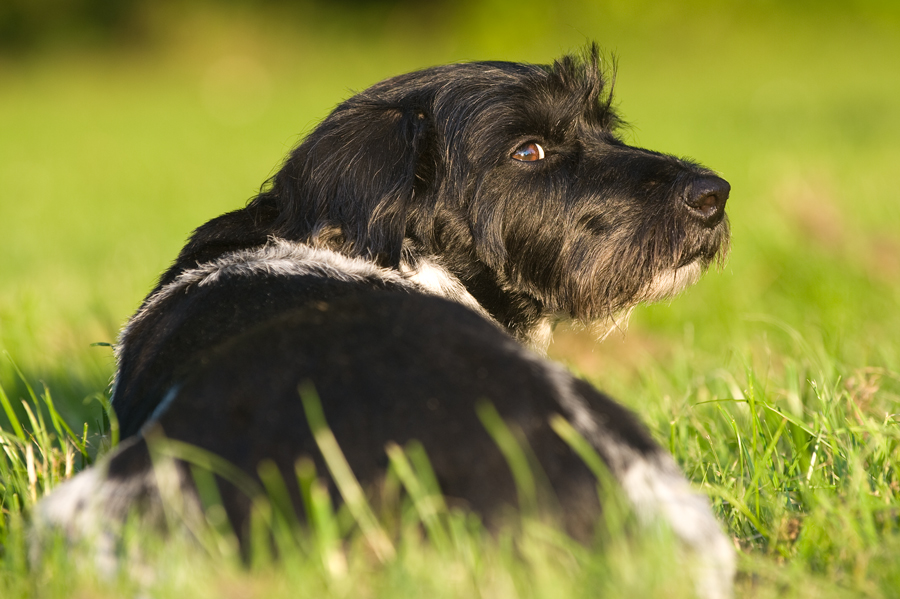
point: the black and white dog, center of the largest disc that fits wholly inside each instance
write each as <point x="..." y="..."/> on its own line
<point x="401" y="259"/>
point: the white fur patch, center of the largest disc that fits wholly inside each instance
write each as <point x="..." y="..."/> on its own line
<point x="433" y="278"/>
<point x="617" y="322"/>
<point x="70" y="501"/>
<point x="280" y="257"/>
<point x="92" y="507"/>
<point x="77" y="509"/>
<point x="670" y="283"/>
<point x="539" y="335"/>
<point x="664" y="285"/>
<point x="658" y="490"/>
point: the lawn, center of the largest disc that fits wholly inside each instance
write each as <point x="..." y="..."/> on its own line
<point x="775" y="381"/>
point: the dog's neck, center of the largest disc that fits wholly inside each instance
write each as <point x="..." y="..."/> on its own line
<point x="518" y="314"/>
<point x="431" y="276"/>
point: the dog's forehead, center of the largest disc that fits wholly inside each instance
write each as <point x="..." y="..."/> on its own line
<point x="566" y="90"/>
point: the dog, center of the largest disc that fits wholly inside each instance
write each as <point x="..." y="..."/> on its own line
<point x="407" y="262"/>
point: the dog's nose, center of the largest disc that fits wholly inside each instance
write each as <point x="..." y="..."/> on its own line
<point x="705" y="198"/>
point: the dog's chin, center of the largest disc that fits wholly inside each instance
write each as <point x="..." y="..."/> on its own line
<point x="671" y="282"/>
<point x="664" y="285"/>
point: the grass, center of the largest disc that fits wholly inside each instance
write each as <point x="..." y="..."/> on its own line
<point x="775" y="382"/>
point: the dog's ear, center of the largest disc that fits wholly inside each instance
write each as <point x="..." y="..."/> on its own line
<point x="350" y="184"/>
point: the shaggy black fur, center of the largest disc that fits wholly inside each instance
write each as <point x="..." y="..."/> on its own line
<point x="503" y="187"/>
<point x="415" y="167"/>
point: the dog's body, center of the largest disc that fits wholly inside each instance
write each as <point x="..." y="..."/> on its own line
<point x="392" y="263"/>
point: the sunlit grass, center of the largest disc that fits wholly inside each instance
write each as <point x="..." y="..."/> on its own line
<point x="799" y="452"/>
<point x="413" y="544"/>
<point x="801" y="470"/>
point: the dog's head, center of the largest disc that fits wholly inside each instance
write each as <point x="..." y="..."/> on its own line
<point x="514" y="178"/>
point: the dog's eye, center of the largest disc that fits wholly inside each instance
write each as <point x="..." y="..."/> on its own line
<point x="529" y="152"/>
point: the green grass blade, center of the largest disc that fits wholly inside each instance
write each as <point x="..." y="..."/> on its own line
<point x="278" y="493"/>
<point x="59" y="425"/>
<point x="322" y="518"/>
<point x="179" y="450"/>
<point x="427" y="500"/>
<point x="110" y="415"/>
<point x="580" y="446"/>
<point x="343" y="476"/>
<point x="616" y="507"/>
<point x="11" y="416"/>
<point x="514" y="455"/>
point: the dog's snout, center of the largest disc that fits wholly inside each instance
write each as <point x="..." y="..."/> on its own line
<point x="705" y="198"/>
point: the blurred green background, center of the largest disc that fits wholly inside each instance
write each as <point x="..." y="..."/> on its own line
<point x="124" y="125"/>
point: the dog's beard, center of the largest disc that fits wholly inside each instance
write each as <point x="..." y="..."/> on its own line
<point x="671" y="282"/>
<point x="664" y="285"/>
